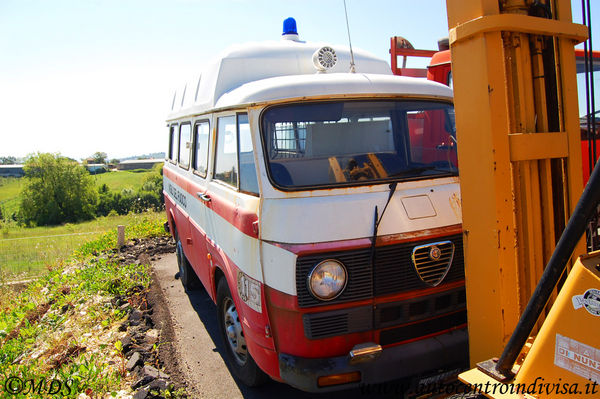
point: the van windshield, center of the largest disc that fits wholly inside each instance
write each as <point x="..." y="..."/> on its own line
<point x="347" y="143"/>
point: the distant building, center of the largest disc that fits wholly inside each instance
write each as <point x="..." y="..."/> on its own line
<point x="139" y="164"/>
<point x="11" y="171"/>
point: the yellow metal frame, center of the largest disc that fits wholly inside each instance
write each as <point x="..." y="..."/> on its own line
<point x="519" y="180"/>
<point x="517" y="23"/>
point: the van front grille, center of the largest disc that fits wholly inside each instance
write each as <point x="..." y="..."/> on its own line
<point x="364" y="318"/>
<point x="394" y="271"/>
<point x="432" y="261"/>
<point x="338" y="322"/>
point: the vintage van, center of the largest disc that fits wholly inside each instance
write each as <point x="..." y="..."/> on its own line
<point x="320" y="210"/>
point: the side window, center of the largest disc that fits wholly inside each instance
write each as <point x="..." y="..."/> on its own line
<point x="185" y="135"/>
<point x="173" y="143"/>
<point x="200" y="160"/>
<point x="170" y="148"/>
<point x="248" y="181"/>
<point x="226" y="152"/>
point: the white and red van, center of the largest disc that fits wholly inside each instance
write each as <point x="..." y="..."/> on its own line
<point x="320" y="209"/>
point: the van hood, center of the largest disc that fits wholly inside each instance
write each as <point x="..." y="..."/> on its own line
<point x="326" y="218"/>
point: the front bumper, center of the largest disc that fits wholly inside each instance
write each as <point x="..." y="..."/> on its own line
<point x="396" y="362"/>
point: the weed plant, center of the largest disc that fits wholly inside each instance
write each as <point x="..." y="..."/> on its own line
<point x="64" y="326"/>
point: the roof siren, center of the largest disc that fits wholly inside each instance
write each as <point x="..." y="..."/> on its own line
<point x="324" y="59"/>
<point x="290" y="32"/>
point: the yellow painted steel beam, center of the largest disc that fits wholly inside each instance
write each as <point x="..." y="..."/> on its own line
<point x="528" y="146"/>
<point x="519" y="153"/>
<point x="517" y="23"/>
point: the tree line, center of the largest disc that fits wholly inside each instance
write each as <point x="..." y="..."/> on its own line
<point x="59" y="190"/>
<point x="10" y="160"/>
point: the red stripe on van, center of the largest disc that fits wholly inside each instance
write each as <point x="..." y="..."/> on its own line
<point x="242" y="219"/>
<point x="311" y="248"/>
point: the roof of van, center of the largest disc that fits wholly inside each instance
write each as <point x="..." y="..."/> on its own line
<point x="256" y="72"/>
<point x="337" y="84"/>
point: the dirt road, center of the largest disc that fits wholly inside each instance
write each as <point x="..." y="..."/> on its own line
<point x="195" y="352"/>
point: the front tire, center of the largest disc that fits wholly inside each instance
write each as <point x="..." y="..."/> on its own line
<point x="239" y="359"/>
<point x="187" y="275"/>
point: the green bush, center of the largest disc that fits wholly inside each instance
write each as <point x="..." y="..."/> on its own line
<point x="148" y="197"/>
<point x="56" y="190"/>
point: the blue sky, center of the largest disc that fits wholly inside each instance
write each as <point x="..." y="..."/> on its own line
<point x="82" y="76"/>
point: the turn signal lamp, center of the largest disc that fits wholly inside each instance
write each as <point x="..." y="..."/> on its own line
<point x="338" y="379"/>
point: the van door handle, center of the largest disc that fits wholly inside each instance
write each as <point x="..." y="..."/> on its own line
<point x="203" y="197"/>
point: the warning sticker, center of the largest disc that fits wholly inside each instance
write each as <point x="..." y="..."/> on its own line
<point x="590" y="300"/>
<point x="578" y="358"/>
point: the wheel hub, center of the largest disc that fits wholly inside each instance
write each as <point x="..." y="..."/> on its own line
<point x="234" y="332"/>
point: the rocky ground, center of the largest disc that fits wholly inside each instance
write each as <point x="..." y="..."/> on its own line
<point x="143" y="250"/>
<point x="145" y="347"/>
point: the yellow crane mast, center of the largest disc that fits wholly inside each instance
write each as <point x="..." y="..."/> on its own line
<point x="519" y="152"/>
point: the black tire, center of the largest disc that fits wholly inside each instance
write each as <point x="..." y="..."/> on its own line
<point x="239" y="360"/>
<point x="187" y="275"/>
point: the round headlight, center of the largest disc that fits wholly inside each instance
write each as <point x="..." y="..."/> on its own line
<point x="327" y="280"/>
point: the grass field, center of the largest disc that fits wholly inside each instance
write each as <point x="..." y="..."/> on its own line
<point x="31" y="251"/>
<point x="10" y="187"/>
<point x="117" y="181"/>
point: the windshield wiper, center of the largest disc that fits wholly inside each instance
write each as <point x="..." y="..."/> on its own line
<point x="377" y="220"/>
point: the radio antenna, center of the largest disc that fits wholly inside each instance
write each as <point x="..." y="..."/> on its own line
<point x="352" y="68"/>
